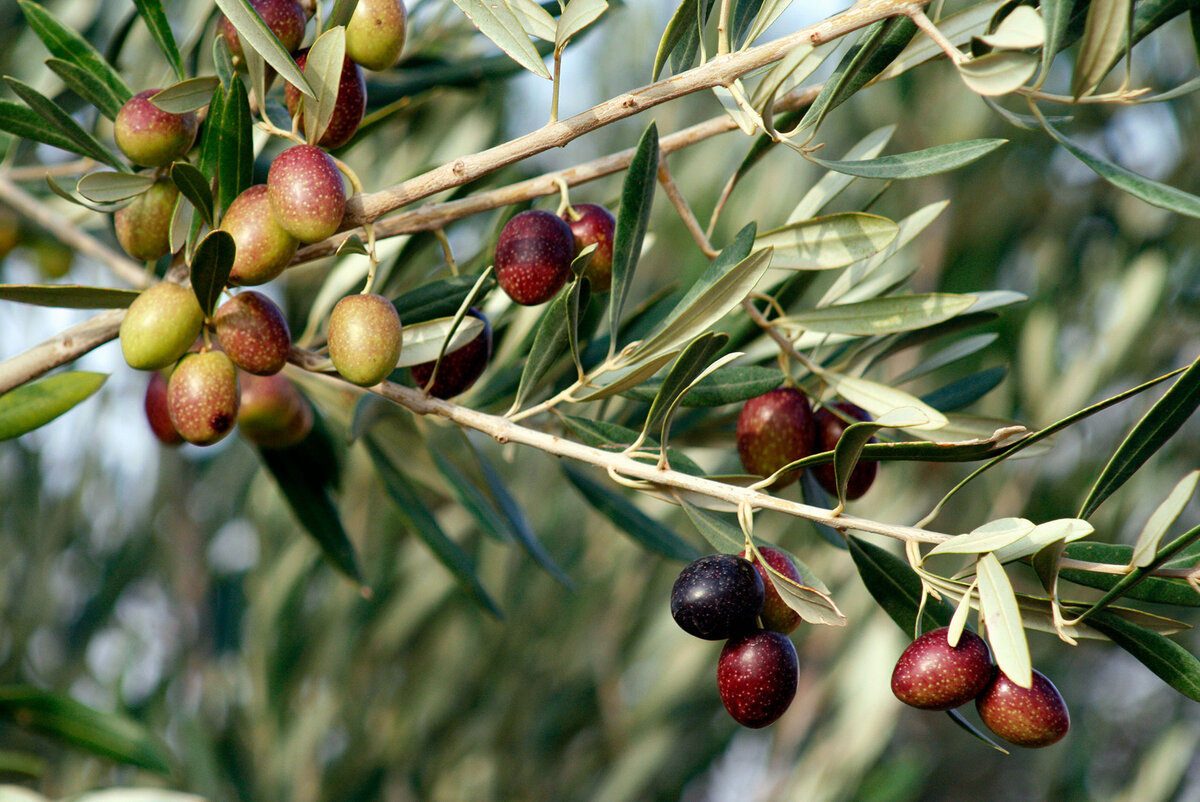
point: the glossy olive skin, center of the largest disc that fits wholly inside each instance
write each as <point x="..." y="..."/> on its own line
<point x="717" y="596"/>
<point x="933" y="675"/>
<point x="151" y="137"/>
<point x="533" y="256"/>
<point x="774" y="429"/>
<point x="306" y="193"/>
<point x="156" y="411"/>
<point x="203" y="397"/>
<point x="595" y="225"/>
<point x="160" y="326"/>
<point x="285" y="18"/>
<point x="272" y="412"/>
<point x="365" y="337"/>
<point x="775" y="613"/>
<point x="459" y="369"/>
<point x="263" y="247"/>
<point x="348" y="110"/>
<point x="253" y="332"/>
<point x="1030" y="717"/>
<point x="143" y="226"/>
<point x="827" y="430"/>
<point x="375" y="33"/>
<point x="757" y="675"/>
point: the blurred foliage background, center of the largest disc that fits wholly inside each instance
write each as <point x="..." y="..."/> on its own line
<point x="176" y="586"/>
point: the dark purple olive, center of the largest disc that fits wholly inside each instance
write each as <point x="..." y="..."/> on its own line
<point x="717" y="596"/>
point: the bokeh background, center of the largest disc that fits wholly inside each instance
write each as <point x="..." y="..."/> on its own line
<point x="176" y="586"/>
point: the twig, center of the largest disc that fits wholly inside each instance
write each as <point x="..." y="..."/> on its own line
<point x="60" y="349"/>
<point x="38" y="172"/>
<point x="68" y="233"/>
<point x="685" y="212"/>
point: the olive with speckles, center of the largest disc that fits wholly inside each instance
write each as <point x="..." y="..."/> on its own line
<point x="273" y="413"/>
<point x="203" y="397"/>
<point x="348" y="108"/>
<point x="254" y="333"/>
<point x="160" y="326"/>
<point x="459" y="368"/>
<point x="595" y="225"/>
<point x="1032" y="717"/>
<point x="263" y="247"/>
<point x="933" y="675"/>
<point x="717" y="596"/>
<point x="365" y="337"/>
<point x="774" y="429"/>
<point x="149" y="136"/>
<point x="827" y="430"/>
<point x="375" y="33"/>
<point x="757" y="675"/>
<point x="143" y="226"/>
<point x="156" y="411"/>
<point x="307" y="195"/>
<point x="533" y="256"/>
<point x="285" y="18"/>
<point x="775" y="612"/>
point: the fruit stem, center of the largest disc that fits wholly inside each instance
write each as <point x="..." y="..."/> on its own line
<point x="557" y="82"/>
<point x="440" y="233"/>
<point x="564" y="203"/>
<point x="723" y="29"/>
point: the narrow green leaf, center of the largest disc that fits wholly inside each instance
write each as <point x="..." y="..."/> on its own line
<point x="67" y="45"/>
<point x="1172" y="663"/>
<point x="681" y="39"/>
<point x="210" y="133"/>
<point x="72" y="197"/>
<point x="1005" y="631"/>
<point x="63" y="124"/>
<point x="234" y="146"/>
<point x="637" y="196"/>
<point x="877" y="316"/>
<point x="417" y="517"/>
<point x="423" y="342"/>
<point x="194" y="186"/>
<point x="897" y="589"/>
<point x="578" y="296"/>
<point x="105" y="186"/>
<point x="536" y="20"/>
<point x="614" y="437"/>
<point x="496" y="21"/>
<point x="1056" y="14"/>
<point x="68" y="296"/>
<point x="1103" y="41"/>
<point x="998" y="73"/>
<point x="967" y="390"/>
<point x="253" y="33"/>
<point x="25" y="123"/>
<point x="948" y="356"/>
<point x="1146" y="547"/>
<point x="151" y="12"/>
<point x="112" y="735"/>
<point x="1152" y="192"/>
<point x="1150" y="433"/>
<point x="1137" y="584"/>
<point x="437" y="298"/>
<point x="183" y="216"/>
<point x="832" y="184"/>
<point x="575" y="17"/>
<point x="962" y="722"/>
<point x="474" y="499"/>
<point x="211" y="265"/>
<point x="1061" y="530"/>
<point x="323" y="68"/>
<point x="850" y="446"/>
<point x="1021" y="29"/>
<point x="768" y="12"/>
<point x="690" y="363"/>
<point x="223" y="62"/>
<point x="991" y="536"/>
<point x="726" y="385"/>
<point x="29" y="406"/>
<point x="303" y="474"/>
<point x="651" y="534"/>
<point x="721" y="531"/>
<point x="190" y="95"/>
<point x="87" y="86"/>
<point x="824" y="243"/>
<point x="632" y="376"/>
<point x="918" y="163"/>
<point x="549" y="343"/>
<point x="879" y="399"/>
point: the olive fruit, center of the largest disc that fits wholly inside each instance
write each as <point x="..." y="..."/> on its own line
<point x="348" y="108"/>
<point x="533" y="256"/>
<point x="160" y="326"/>
<point x="459" y="368"/>
<point x="933" y="675"/>
<point x="306" y="193"/>
<point x="143" y="226"/>
<point x="156" y="411"/>
<point x="774" y="429"/>
<point x="776" y="614"/>
<point x="253" y="332"/>
<point x="365" y="336"/>
<point x="1032" y="717"/>
<point x="285" y="19"/>
<point x="263" y="247"/>
<point x="757" y="675"/>
<point x="717" y="596"/>
<point x="203" y="397"/>
<point x="827" y="430"/>
<point x="595" y="225"/>
<point x="375" y="33"/>
<point x="150" y="136"/>
<point x="273" y="413"/>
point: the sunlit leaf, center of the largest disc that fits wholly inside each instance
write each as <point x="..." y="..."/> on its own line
<point x="575" y="17"/>
<point x="81" y="141"/>
<point x="29" y="406"/>
<point x="104" y="186"/>
<point x="190" y="95"/>
<point x="323" y="68"/>
<point x="988" y="537"/>
<point x="1005" y="631"/>
<point x="151" y="12"/>
<point x="823" y="243"/>
<point x="1021" y="29"/>
<point x="1103" y="40"/>
<point x="769" y="11"/>
<point x="422" y="342"/>
<point x="534" y="19"/>
<point x="726" y="385"/>
<point x="998" y="73"/>
<point x="881" y="315"/>
<point x="549" y="343"/>
<point x="1064" y="530"/>
<point x="254" y="34"/>
<point x="496" y="21"/>
<point x="1164" y="515"/>
<point x="918" y="163"/>
<point x="690" y="363"/>
<point x="623" y="379"/>
<point x="87" y="86"/>
<point x="879" y="399"/>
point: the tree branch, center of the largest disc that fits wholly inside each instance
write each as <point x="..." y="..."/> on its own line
<point x="64" y="347"/>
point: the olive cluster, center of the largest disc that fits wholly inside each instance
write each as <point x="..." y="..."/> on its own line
<point x="729" y="597"/>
